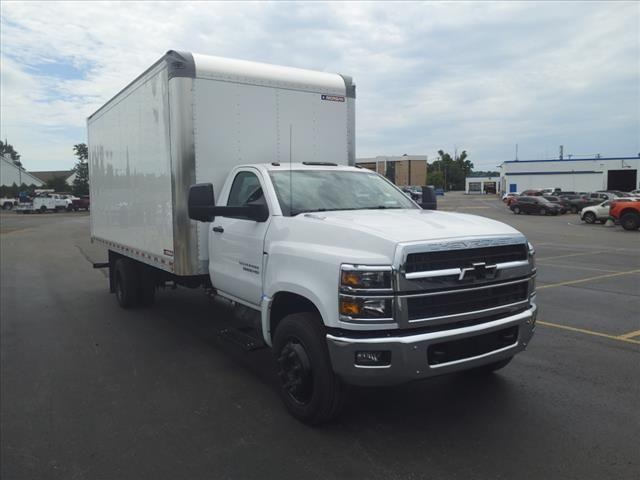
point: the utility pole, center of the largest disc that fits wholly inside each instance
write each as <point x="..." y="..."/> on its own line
<point x="516" y="152"/>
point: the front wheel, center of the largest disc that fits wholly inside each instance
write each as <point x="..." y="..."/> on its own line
<point x="589" y="217"/>
<point x="543" y="211"/>
<point x="630" y="221"/>
<point x="516" y="210"/>
<point x="309" y="388"/>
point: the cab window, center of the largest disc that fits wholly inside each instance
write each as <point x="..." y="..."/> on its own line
<point x="246" y="190"/>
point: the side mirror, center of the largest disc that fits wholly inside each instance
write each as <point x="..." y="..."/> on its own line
<point x="257" y="213"/>
<point x="202" y="206"/>
<point x="201" y="202"/>
<point x="429" y="199"/>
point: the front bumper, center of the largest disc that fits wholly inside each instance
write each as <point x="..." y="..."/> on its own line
<point x="410" y="357"/>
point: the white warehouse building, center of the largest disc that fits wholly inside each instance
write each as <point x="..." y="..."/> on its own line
<point x="572" y="174"/>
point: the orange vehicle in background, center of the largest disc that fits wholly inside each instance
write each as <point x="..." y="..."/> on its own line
<point x="627" y="212"/>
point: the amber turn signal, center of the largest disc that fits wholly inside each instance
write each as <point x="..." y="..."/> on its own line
<point x="350" y="307"/>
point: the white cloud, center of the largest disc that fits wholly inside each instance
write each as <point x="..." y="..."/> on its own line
<point x="478" y="75"/>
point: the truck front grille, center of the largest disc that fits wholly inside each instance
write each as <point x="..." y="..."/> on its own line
<point x="441" y="260"/>
<point x="453" y="350"/>
<point x="454" y="302"/>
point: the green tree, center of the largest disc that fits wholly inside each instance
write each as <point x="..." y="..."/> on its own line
<point x="58" y="184"/>
<point x="436" y="179"/>
<point x="81" y="181"/>
<point x="8" y="151"/>
<point x="452" y="170"/>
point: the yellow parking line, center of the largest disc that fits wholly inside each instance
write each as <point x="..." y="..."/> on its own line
<point x="629" y="335"/>
<point x="569" y="255"/>
<point x="582" y="280"/>
<point x="590" y="332"/>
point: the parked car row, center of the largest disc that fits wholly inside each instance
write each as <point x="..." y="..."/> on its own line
<point x="574" y="202"/>
<point x="625" y="210"/>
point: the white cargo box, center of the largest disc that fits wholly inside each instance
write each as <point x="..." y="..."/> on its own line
<point x="190" y="119"/>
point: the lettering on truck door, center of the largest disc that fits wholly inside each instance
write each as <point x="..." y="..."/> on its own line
<point x="237" y="243"/>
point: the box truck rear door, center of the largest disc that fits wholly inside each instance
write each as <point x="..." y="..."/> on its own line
<point x="236" y="244"/>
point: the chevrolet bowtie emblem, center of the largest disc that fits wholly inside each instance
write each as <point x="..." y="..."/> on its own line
<point x="479" y="271"/>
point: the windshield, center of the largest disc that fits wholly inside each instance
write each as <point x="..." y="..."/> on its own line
<point x="302" y="191"/>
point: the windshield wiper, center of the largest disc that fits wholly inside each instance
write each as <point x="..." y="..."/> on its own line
<point x="298" y="212"/>
<point x="380" y="207"/>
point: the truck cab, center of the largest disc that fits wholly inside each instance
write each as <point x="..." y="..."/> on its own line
<point x="354" y="280"/>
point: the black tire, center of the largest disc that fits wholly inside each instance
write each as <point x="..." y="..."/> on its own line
<point x="491" y="367"/>
<point x="589" y="217"/>
<point x="630" y="221"/>
<point x="43" y="209"/>
<point x="310" y="389"/>
<point x="147" y="286"/>
<point x="7" y="206"/>
<point x="127" y="286"/>
<point x="516" y="210"/>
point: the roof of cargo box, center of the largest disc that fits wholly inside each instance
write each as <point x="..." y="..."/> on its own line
<point x="255" y="73"/>
<point x="187" y="64"/>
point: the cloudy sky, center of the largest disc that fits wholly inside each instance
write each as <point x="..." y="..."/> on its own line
<point x="477" y="76"/>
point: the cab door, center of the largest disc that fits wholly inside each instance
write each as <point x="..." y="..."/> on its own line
<point x="237" y="244"/>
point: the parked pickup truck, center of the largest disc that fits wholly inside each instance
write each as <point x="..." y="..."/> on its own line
<point x="8" y="203"/>
<point x="238" y="177"/>
<point x="45" y="202"/>
<point x="81" y="203"/>
<point x="627" y="211"/>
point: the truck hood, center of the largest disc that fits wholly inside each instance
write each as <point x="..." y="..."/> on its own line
<point x="414" y="225"/>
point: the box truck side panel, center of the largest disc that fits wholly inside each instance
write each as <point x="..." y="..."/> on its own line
<point x="130" y="165"/>
<point x="238" y="124"/>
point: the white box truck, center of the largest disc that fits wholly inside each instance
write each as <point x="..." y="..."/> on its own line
<point x="238" y="177"/>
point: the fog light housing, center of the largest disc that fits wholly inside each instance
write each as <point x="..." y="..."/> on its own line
<point x="375" y="358"/>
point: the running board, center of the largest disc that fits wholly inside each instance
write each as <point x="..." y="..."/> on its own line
<point x="241" y="338"/>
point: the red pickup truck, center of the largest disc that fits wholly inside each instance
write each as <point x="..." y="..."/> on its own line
<point x="81" y="203"/>
<point x="627" y="211"/>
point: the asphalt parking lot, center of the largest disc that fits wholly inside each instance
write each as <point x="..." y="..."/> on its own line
<point x="91" y="391"/>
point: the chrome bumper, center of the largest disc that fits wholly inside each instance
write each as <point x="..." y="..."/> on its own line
<point x="409" y="358"/>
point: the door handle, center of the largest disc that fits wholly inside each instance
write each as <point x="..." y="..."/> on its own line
<point x="218" y="229"/>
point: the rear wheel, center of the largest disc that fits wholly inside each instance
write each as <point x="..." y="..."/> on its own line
<point x="589" y="217"/>
<point x="630" y="221"/>
<point x="126" y="283"/>
<point x="147" y="287"/>
<point x="309" y="388"/>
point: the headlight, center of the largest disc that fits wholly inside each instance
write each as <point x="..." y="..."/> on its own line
<point x="532" y="255"/>
<point x="365" y="292"/>
<point x="354" y="277"/>
<point x="370" y="307"/>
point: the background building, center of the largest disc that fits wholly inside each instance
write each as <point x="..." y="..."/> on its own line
<point x="571" y="174"/>
<point x="47" y="176"/>
<point x="403" y="171"/>
<point x="482" y="184"/>
<point x="10" y="173"/>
